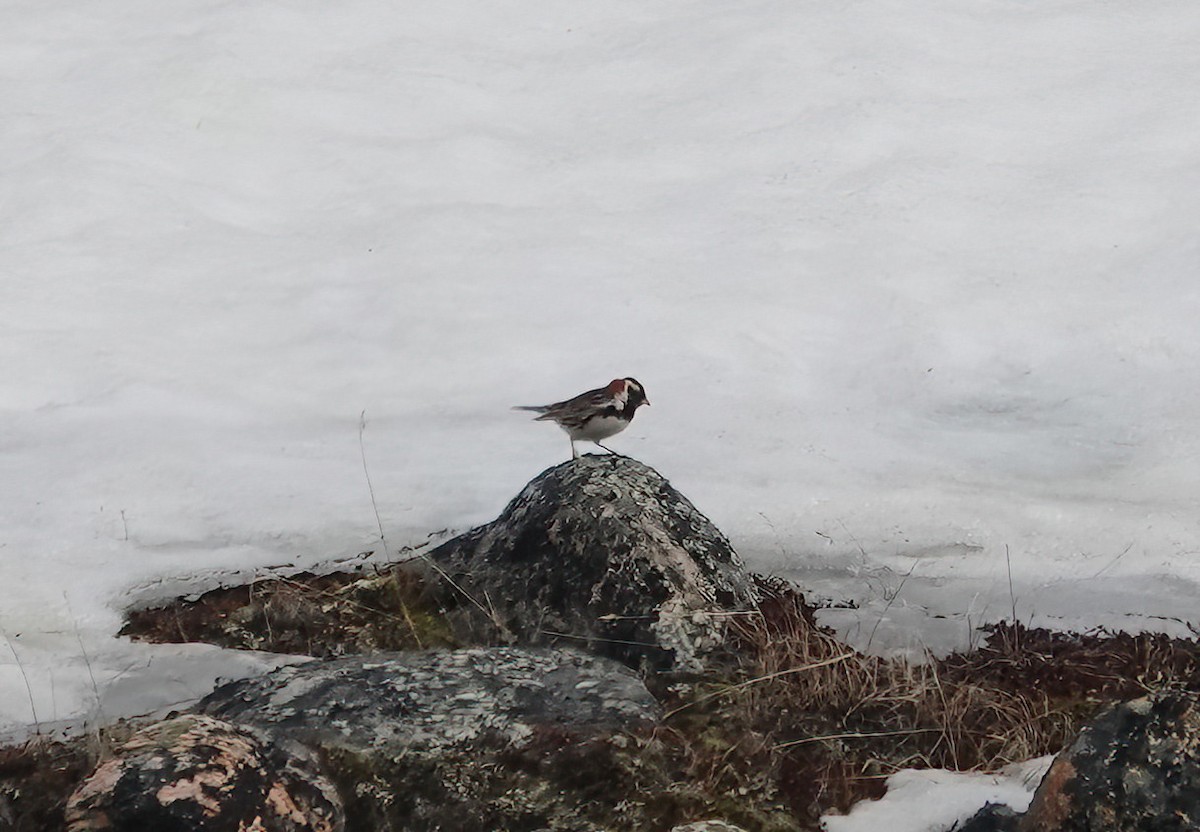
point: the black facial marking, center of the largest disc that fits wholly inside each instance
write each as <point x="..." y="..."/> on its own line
<point x="637" y="396"/>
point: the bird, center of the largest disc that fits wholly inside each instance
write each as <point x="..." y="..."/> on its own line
<point x="596" y="414"/>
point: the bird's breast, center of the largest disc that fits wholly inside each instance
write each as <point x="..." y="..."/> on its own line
<point x="599" y="427"/>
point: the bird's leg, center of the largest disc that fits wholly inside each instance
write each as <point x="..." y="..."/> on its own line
<point x="574" y="451"/>
<point x="610" y="450"/>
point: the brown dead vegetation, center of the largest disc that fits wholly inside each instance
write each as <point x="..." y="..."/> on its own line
<point x="38" y="775"/>
<point x="312" y="615"/>
<point x="790" y="724"/>
<point x="810" y="726"/>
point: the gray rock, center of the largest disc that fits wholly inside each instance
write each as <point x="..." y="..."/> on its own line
<point x="197" y="774"/>
<point x="425" y="701"/>
<point x="1135" y="768"/>
<point x="601" y="551"/>
<point x="480" y="739"/>
<point x="708" y="826"/>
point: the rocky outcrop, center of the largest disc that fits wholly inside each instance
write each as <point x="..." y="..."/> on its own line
<point x="488" y="738"/>
<point x="597" y="568"/>
<point x="198" y="774"/>
<point x="600" y="552"/>
<point x="708" y="826"/>
<point x="1135" y="768"/>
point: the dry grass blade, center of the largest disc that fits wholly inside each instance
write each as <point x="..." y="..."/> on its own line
<point x="759" y="680"/>
<point x="854" y="735"/>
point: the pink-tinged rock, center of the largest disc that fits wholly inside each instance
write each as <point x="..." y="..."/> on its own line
<point x="199" y="773"/>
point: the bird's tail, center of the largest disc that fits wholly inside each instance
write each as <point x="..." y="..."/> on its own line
<point x="532" y="408"/>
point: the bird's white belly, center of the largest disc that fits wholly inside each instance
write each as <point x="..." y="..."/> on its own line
<point x="599" y="427"/>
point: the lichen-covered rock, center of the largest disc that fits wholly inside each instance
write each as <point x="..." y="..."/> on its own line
<point x="708" y="826"/>
<point x="601" y="551"/>
<point x="487" y="738"/>
<point x="1134" y="768"/>
<point x="422" y="701"/>
<point x="198" y="774"/>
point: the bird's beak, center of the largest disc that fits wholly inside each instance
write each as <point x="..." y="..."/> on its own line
<point x="646" y="402"/>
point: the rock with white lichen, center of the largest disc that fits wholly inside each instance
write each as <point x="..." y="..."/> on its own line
<point x="708" y="826"/>
<point x="484" y="738"/>
<point x="600" y="552"/>
<point x="198" y="774"/>
<point x="1134" y="768"/>
<point x="436" y="699"/>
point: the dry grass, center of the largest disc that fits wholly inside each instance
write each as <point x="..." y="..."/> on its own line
<point x="906" y="713"/>
<point x="801" y="726"/>
<point x="789" y="724"/>
<point x="316" y="615"/>
<point x="39" y="775"/>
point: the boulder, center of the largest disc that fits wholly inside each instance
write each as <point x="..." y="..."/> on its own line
<point x="429" y="700"/>
<point x="487" y="738"/>
<point x="1134" y="768"/>
<point x="198" y="774"/>
<point x="600" y="552"/>
<point x="708" y="826"/>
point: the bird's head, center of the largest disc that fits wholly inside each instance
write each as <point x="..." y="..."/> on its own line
<point x="635" y="394"/>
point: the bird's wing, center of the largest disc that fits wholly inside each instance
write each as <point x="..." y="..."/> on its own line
<point x="592" y="400"/>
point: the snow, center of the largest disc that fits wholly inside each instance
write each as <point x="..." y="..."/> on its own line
<point x="935" y="800"/>
<point x="911" y="286"/>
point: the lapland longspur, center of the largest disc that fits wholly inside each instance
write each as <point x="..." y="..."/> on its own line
<point x="596" y="414"/>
